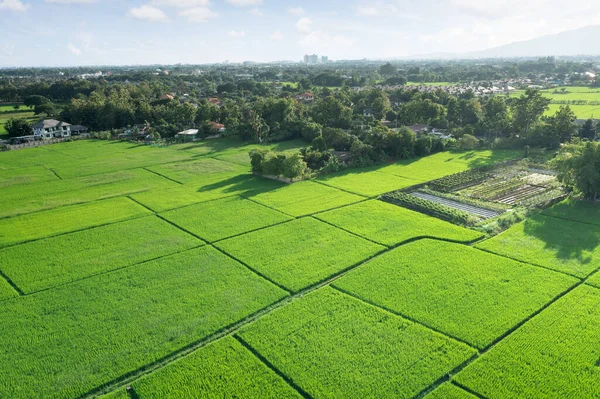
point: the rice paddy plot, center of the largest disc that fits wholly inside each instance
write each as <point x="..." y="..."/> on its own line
<point x="219" y="219"/>
<point x="300" y="253"/>
<point x="241" y="155"/>
<point x="477" y="158"/>
<point x="562" y="245"/>
<point x="28" y="157"/>
<point x="202" y="171"/>
<point x="64" y="342"/>
<point x="66" y="219"/>
<point x="463" y="292"/>
<point x="449" y="391"/>
<point x="54" y="261"/>
<point x="224" y="369"/>
<point x="554" y="355"/>
<point x="183" y="195"/>
<point x="369" y="183"/>
<point x="305" y="198"/>
<point x="335" y="346"/>
<point x="389" y="224"/>
<point x="16" y="200"/>
<point x="6" y="291"/>
<point x="578" y="211"/>
<point x="27" y="175"/>
<point x="424" y="169"/>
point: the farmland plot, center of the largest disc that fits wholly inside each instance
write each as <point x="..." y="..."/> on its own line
<point x="449" y="391"/>
<point x="224" y="369"/>
<point x="27" y="175"/>
<point x="389" y="224"/>
<point x="17" y="200"/>
<point x="66" y="219"/>
<point x="578" y="211"/>
<point x="200" y="172"/>
<point x="554" y="355"/>
<point x="369" y="183"/>
<point x="465" y="293"/>
<point x="568" y="247"/>
<point x="61" y="343"/>
<point x="46" y="263"/>
<point x="424" y="169"/>
<point x="180" y="196"/>
<point x="477" y="159"/>
<point x="215" y="220"/>
<point x="6" y="291"/>
<point x="305" y="198"/>
<point x="300" y="253"/>
<point x="334" y="346"/>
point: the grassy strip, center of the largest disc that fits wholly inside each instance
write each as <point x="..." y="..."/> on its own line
<point x="54" y="261"/>
<point x="369" y="184"/>
<point x="97" y="330"/>
<point x="67" y="219"/>
<point x="554" y="355"/>
<point x="216" y="220"/>
<point x="465" y="293"/>
<point x="316" y="251"/>
<point x="333" y="345"/>
<point x="568" y="247"/>
<point x="389" y="224"/>
<point x="224" y="369"/>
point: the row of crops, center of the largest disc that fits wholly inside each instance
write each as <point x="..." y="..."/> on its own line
<point x="428" y="207"/>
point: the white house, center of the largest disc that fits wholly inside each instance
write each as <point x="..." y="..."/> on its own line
<point x="51" y="128"/>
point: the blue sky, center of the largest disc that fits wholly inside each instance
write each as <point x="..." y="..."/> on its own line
<point x="125" y="32"/>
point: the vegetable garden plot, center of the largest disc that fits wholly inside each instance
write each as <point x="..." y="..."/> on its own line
<point x="369" y="184"/>
<point x="203" y="171"/>
<point x="389" y="224"/>
<point x="463" y="292"/>
<point x="27" y="175"/>
<point x="562" y="245"/>
<point x="180" y="196"/>
<point x="215" y="220"/>
<point x="17" y="200"/>
<point x="306" y="198"/>
<point x="577" y="211"/>
<point x="450" y="391"/>
<point x="335" y="346"/>
<point x="554" y="355"/>
<point x="66" y="219"/>
<point x="64" y="342"/>
<point x="46" y="263"/>
<point x="300" y="253"/>
<point x="224" y="369"/>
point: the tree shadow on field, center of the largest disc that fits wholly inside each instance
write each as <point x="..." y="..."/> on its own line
<point x="568" y="240"/>
<point x="247" y="185"/>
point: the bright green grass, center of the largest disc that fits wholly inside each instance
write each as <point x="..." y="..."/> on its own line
<point x="424" y="169"/>
<point x="369" y="184"/>
<point x="43" y="224"/>
<point x="202" y="171"/>
<point x="450" y="391"/>
<point x="16" y="200"/>
<point x="6" y="291"/>
<point x="27" y="175"/>
<point x="463" y="292"/>
<point x="224" y="369"/>
<point x="581" y="111"/>
<point x="241" y="155"/>
<point x="299" y="253"/>
<point x="477" y="158"/>
<point x="58" y="260"/>
<point x="305" y="198"/>
<point x="565" y="246"/>
<point x="554" y="355"/>
<point x="29" y="157"/>
<point x="578" y="211"/>
<point x="183" y="195"/>
<point x="334" y="346"/>
<point x="389" y="224"/>
<point x="64" y="342"/>
<point x="10" y="107"/>
<point x="215" y="220"/>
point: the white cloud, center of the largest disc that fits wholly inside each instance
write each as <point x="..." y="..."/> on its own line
<point x="257" y="12"/>
<point x="236" y="33"/>
<point x="198" y="14"/>
<point x="13" y="5"/>
<point x="245" y="3"/>
<point x="297" y="11"/>
<point x="70" y="1"/>
<point x="277" y="36"/>
<point x="73" y="49"/>
<point x="321" y="41"/>
<point x="182" y="3"/>
<point x="149" y="13"/>
<point x="367" y="11"/>
<point x="304" y="25"/>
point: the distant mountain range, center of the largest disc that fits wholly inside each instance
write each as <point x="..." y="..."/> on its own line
<point x="583" y="41"/>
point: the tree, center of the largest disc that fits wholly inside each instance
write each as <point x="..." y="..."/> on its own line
<point x="579" y="168"/>
<point x="18" y="127"/>
<point x="388" y="69"/>
<point x="294" y="166"/>
<point x="380" y="107"/>
<point x="468" y="142"/>
<point x="45" y="108"/>
<point x="528" y="109"/>
<point x="560" y="128"/>
<point x="331" y="112"/>
<point x="588" y="131"/>
<point x="496" y="119"/>
<point x="35" y="100"/>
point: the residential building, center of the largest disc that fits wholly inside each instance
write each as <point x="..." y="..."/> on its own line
<point x="306" y="96"/>
<point x="187" y="135"/>
<point x="51" y="128"/>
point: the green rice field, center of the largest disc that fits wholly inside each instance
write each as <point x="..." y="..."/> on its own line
<point x="177" y="273"/>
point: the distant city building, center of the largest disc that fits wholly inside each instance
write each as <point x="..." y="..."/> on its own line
<point x="311" y="59"/>
<point x="324" y="59"/>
